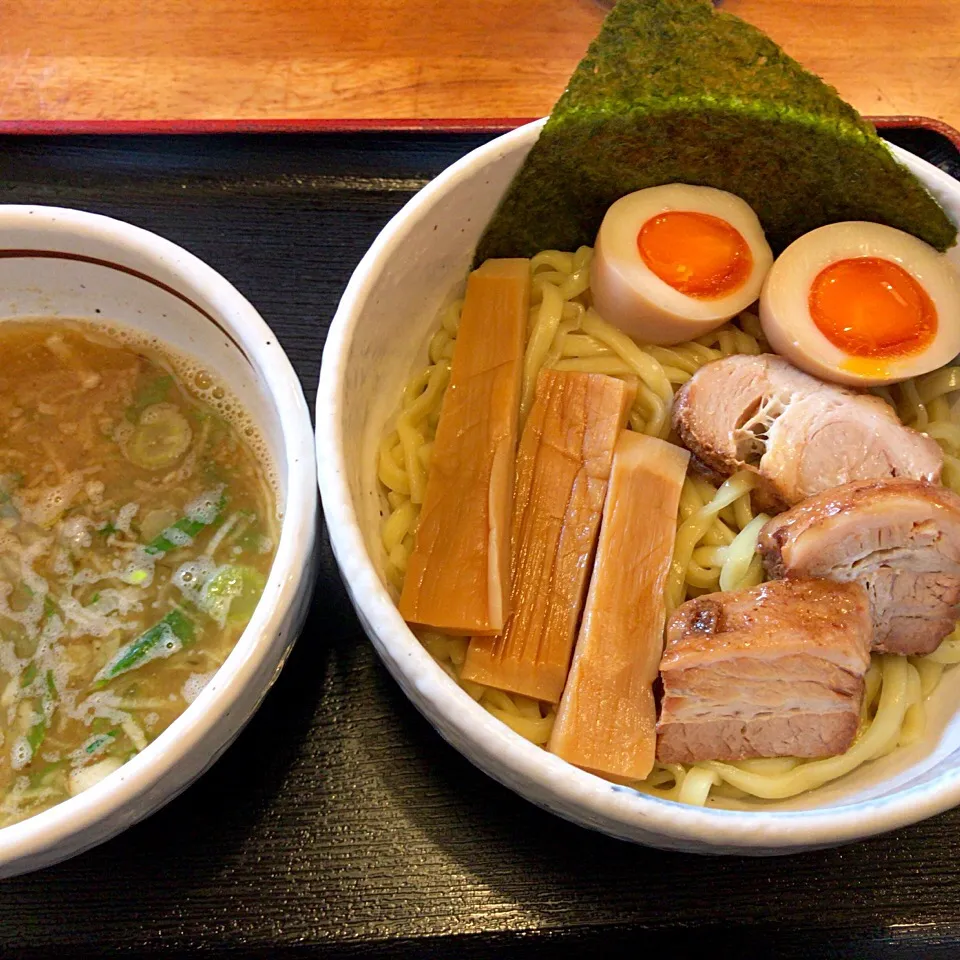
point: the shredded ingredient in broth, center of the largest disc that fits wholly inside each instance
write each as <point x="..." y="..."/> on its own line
<point x="717" y="528"/>
<point x="137" y="528"/>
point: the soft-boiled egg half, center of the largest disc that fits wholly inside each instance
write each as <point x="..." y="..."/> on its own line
<point x="674" y="262"/>
<point x="862" y="304"/>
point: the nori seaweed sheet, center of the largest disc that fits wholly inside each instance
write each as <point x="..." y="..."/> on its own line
<point x="673" y="92"/>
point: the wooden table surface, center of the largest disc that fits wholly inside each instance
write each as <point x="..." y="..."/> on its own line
<point x="168" y="60"/>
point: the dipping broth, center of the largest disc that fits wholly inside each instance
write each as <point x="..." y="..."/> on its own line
<point x="138" y="523"/>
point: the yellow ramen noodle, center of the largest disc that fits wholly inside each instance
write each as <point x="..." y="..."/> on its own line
<point x="717" y="528"/>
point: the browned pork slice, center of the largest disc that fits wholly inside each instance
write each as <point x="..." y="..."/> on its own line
<point x="801" y="436"/>
<point x="776" y="671"/>
<point x="899" y="538"/>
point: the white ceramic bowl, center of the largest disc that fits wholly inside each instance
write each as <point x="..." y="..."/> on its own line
<point x="56" y="262"/>
<point x="376" y="342"/>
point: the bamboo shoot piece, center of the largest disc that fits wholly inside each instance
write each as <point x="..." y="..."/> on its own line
<point x="562" y="470"/>
<point x="606" y="722"/>
<point x="457" y="578"/>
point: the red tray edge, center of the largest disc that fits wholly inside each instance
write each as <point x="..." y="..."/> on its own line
<point x="279" y="125"/>
<point x="919" y="123"/>
<point x="432" y="125"/>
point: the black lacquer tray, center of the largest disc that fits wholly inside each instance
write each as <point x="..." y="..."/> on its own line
<point x="340" y="824"/>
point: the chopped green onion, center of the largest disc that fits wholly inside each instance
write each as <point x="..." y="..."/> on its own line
<point x="252" y="536"/>
<point x="154" y="392"/>
<point x="98" y="742"/>
<point x="29" y="675"/>
<point x="161" y="438"/>
<point x="36" y="735"/>
<point x="162" y="640"/>
<point x="167" y="540"/>
<point x="233" y="593"/>
<point x="38" y="732"/>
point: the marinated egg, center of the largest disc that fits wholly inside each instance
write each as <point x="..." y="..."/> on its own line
<point x="674" y="262"/>
<point x="862" y="304"/>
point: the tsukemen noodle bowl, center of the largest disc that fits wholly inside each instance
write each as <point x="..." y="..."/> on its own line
<point x="386" y="366"/>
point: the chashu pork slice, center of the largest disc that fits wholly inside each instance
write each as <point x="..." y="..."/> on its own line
<point x="899" y="538"/>
<point x="801" y="436"/>
<point x="775" y="671"/>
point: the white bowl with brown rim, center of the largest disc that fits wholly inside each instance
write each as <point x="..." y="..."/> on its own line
<point x="67" y="263"/>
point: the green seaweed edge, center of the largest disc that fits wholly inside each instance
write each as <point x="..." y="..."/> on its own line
<point x="642" y="109"/>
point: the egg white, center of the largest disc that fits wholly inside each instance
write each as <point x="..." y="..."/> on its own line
<point x="785" y="301"/>
<point x="628" y="294"/>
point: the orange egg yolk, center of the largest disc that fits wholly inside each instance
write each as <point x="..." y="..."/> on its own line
<point x="697" y="254"/>
<point x="870" y="307"/>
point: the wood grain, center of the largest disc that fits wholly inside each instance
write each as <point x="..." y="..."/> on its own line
<point x="414" y="59"/>
<point x="340" y="824"/>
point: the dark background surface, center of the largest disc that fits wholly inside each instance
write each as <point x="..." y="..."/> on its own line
<point x="340" y="824"/>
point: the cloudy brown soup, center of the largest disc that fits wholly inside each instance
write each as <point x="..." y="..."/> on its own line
<point x="138" y="523"/>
